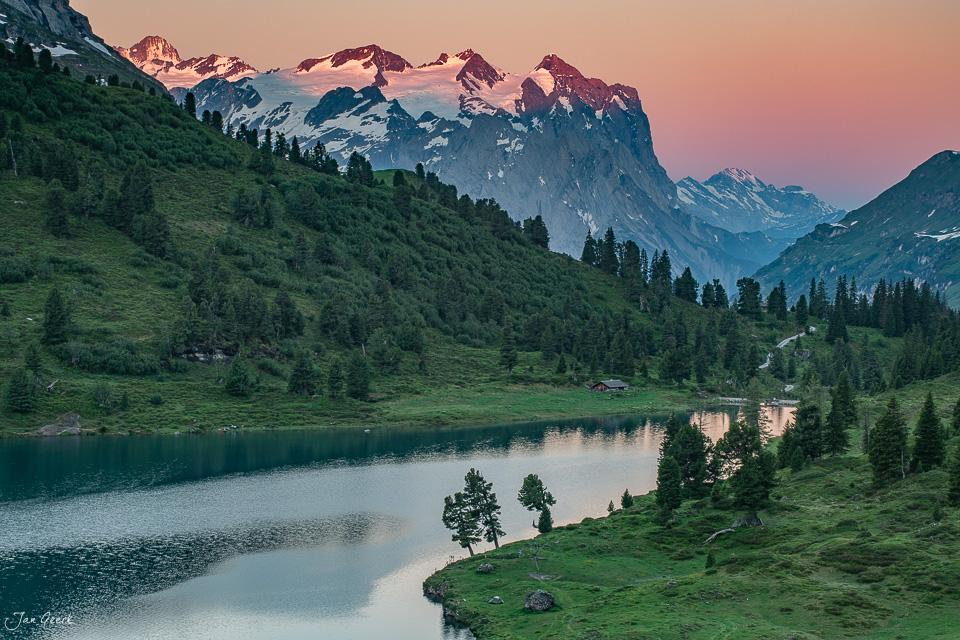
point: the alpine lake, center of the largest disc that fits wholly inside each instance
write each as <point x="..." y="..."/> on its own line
<point x="284" y="534"/>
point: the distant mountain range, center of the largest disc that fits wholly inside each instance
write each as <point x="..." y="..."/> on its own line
<point x="911" y="230"/>
<point x="551" y="142"/>
<point x="737" y="200"/>
<point x="156" y="57"/>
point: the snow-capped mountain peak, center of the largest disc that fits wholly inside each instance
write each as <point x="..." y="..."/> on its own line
<point x="569" y="82"/>
<point x="155" y="56"/>
<point x="558" y="67"/>
<point x="444" y="58"/>
<point x="477" y="70"/>
<point x="737" y="200"/>
<point x="743" y="177"/>
<point x="153" y="49"/>
<point x="371" y="55"/>
<point x="370" y="60"/>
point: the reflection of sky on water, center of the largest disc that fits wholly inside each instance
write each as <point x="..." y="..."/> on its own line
<point x="217" y="538"/>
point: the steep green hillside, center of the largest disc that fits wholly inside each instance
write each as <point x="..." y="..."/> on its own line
<point x="911" y="230"/>
<point x="421" y="289"/>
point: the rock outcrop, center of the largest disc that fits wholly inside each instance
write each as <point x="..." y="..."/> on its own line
<point x="540" y="600"/>
<point x="67" y="424"/>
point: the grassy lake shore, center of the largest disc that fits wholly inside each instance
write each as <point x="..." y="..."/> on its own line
<point x="835" y="559"/>
<point x="186" y="407"/>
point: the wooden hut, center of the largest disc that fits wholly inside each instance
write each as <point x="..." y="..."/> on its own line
<point x="606" y="386"/>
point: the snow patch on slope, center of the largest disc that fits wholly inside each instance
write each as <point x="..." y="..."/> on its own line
<point x="96" y="45"/>
<point x="60" y="50"/>
<point x="439" y="141"/>
<point x="940" y="237"/>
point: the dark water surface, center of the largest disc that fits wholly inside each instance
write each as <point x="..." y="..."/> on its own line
<point x="286" y="535"/>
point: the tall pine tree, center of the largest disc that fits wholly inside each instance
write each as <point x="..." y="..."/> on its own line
<point x="589" y="254"/>
<point x="888" y="445"/>
<point x="751" y="468"/>
<point x="358" y="377"/>
<point x="190" y="104"/>
<point x="669" y="495"/>
<point x="928" y="448"/>
<point x="241" y="379"/>
<point x="608" y="253"/>
<point x="20" y="396"/>
<point x="479" y="495"/>
<point x="837" y="329"/>
<point x="303" y="375"/>
<point x="508" y="348"/>
<point x="56" y="318"/>
<point x="842" y="416"/>
<point x="690" y="448"/>
<point x="754" y="480"/>
<point x="462" y="519"/>
<point x="802" y="312"/>
<point x="533" y="495"/>
<point x="809" y="428"/>
<point x="545" y="521"/>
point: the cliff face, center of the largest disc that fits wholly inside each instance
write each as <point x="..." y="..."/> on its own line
<point x="55" y="25"/>
<point x="55" y="16"/>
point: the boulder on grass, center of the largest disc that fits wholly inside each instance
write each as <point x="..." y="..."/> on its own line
<point x="67" y="424"/>
<point x="539" y="600"/>
<point x="748" y="521"/>
<point x="486" y="567"/>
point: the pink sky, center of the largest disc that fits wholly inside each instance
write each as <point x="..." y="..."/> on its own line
<point x="844" y="97"/>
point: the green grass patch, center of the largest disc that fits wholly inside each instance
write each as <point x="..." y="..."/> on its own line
<point x="834" y="560"/>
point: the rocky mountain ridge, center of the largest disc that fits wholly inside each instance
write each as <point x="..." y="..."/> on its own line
<point x="737" y="200"/>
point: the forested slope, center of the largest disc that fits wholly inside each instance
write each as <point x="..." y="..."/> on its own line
<point x="170" y="242"/>
<point x="144" y="250"/>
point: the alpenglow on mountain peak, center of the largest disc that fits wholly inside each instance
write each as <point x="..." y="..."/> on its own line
<point x="464" y="83"/>
<point x="151" y="49"/>
<point x="155" y="56"/>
